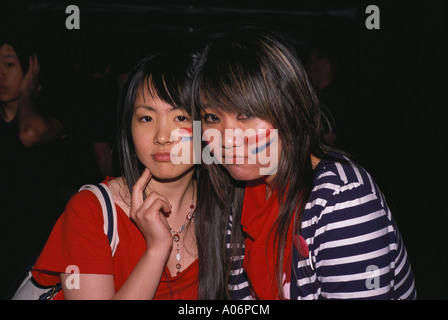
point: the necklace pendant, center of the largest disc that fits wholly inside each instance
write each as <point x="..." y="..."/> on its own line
<point x="176" y="237"/>
<point x="178" y="256"/>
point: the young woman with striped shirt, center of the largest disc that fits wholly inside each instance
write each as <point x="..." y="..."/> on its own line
<point x="315" y="225"/>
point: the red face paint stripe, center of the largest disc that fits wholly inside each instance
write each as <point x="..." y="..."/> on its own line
<point x="256" y="138"/>
<point x="189" y="130"/>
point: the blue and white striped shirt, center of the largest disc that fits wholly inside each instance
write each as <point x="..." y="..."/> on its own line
<point x="356" y="251"/>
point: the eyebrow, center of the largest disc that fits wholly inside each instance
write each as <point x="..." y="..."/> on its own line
<point x="208" y="106"/>
<point x="151" y="108"/>
<point x="7" y="56"/>
<point x="212" y="108"/>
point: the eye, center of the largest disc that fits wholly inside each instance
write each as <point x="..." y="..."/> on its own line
<point x="210" y="118"/>
<point x="145" y="119"/>
<point x="241" y="116"/>
<point x="182" y="118"/>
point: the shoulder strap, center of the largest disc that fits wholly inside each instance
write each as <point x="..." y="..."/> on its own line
<point x="28" y="290"/>
<point x="106" y="200"/>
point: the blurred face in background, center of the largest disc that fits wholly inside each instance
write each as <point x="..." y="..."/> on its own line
<point x="11" y="74"/>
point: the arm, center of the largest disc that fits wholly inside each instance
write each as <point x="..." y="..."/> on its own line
<point x="148" y="214"/>
<point x="140" y="285"/>
<point x="357" y="246"/>
<point x="34" y="128"/>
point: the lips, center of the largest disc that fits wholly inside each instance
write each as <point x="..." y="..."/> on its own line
<point x="234" y="159"/>
<point x="161" y="156"/>
<point x="234" y="156"/>
<point x="3" y="89"/>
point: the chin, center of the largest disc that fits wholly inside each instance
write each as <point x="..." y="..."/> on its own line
<point x="169" y="172"/>
<point x="243" y="172"/>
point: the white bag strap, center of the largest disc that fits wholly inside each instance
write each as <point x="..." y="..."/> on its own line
<point x="106" y="200"/>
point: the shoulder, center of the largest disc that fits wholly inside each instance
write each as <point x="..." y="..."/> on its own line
<point x="333" y="179"/>
<point x="88" y="203"/>
<point x="342" y="172"/>
<point x="83" y="206"/>
<point x="83" y="199"/>
<point x="345" y="187"/>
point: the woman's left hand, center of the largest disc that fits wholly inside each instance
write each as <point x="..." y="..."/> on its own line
<point x="30" y="82"/>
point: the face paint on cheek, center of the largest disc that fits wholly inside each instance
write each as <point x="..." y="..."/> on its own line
<point x="261" y="141"/>
<point x="187" y="137"/>
<point x="188" y="129"/>
<point x="180" y="151"/>
<point x="267" y="157"/>
<point x="264" y="134"/>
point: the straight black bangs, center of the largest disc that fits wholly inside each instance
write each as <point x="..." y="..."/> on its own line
<point x="247" y="71"/>
<point x="166" y="77"/>
<point x="234" y="82"/>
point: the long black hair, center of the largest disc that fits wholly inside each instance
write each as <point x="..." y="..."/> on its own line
<point x="167" y="76"/>
<point x="256" y="72"/>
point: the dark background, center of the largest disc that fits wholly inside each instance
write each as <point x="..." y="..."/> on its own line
<point x="395" y="76"/>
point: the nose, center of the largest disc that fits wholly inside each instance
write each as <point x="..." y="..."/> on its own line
<point x="232" y="135"/>
<point x="162" y="136"/>
<point x="233" y="138"/>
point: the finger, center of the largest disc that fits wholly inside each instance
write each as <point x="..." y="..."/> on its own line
<point x="140" y="184"/>
<point x="153" y="197"/>
<point x="149" y="214"/>
<point x="165" y="206"/>
<point x="30" y="63"/>
<point x="36" y="64"/>
<point x="137" y="189"/>
<point x="164" y="221"/>
<point x="160" y="206"/>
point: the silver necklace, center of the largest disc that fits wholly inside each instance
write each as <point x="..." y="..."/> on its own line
<point x="176" y="234"/>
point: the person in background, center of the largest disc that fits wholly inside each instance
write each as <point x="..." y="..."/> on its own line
<point x="18" y="93"/>
<point x="327" y="66"/>
<point x="30" y="137"/>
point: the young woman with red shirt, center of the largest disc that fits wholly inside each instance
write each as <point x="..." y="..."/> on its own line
<point x="308" y="223"/>
<point x="160" y="205"/>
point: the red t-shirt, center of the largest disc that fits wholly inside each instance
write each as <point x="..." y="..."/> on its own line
<point x="257" y="219"/>
<point x="78" y="239"/>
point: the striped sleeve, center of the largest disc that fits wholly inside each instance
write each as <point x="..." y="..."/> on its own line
<point x="356" y="249"/>
<point x="238" y="283"/>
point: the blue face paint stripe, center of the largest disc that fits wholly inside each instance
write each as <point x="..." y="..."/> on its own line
<point x="186" y="138"/>
<point x="259" y="149"/>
